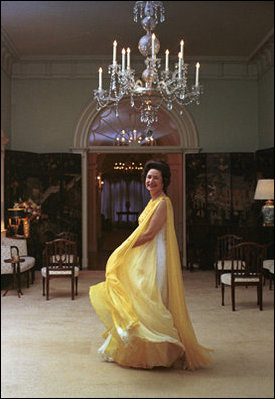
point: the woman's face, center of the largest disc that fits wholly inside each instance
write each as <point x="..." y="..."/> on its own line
<point x="153" y="181"/>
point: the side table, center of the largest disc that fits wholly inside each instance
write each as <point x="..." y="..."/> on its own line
<point x="16" y="275"/>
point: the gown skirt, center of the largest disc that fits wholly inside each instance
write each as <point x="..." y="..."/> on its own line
<point x="141" y="303"/>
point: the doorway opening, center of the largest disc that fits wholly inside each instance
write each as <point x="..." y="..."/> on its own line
<point x="120" y="198"/>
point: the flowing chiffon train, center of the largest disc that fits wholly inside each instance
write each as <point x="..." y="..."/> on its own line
<point x="142" y="302"/>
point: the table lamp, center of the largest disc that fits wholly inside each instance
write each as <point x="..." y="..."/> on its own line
<point x="15" y="216"/>
<point x="265" y="191"/>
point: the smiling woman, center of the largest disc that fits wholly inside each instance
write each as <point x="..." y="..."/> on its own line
<point x="142" y="302"/>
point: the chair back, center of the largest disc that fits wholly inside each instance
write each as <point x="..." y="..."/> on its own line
<point x="225" y="244"/>
<point x="247" y="258"/>
<point x="60" y="254"/>
<point x="20" y="243"/>
<point x="68" y="235"/>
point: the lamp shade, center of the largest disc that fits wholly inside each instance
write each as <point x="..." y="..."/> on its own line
<point x="264" y="189"/>
<point x="16" y="213"/>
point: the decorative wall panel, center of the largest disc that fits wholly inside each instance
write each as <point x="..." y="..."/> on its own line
<point x="219" y="199"/>
<point x="54" y="182"/>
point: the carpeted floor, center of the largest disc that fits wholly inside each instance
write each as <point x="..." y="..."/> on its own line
<point x="49" y="348"/>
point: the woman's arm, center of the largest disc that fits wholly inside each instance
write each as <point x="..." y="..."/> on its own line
<point x="155" y="224"/>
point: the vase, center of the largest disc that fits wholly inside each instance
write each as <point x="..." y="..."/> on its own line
<point x="26" y="228"/>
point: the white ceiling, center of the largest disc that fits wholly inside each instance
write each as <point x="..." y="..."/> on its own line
<point x="85" y="28"/>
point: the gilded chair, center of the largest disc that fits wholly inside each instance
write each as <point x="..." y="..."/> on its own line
<point x="246" y="270"/>
<point x="60" y="261"/>
<point x="222" y="262"/>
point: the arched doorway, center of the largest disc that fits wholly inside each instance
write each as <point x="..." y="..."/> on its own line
<point x="94" y="136"/>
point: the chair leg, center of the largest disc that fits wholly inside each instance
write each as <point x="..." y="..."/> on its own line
<point x="233" y="296"/>
<point x="47" y="288"/>
<point x="72" y="287"/>
<point x="31" y="275"/>
<point x="43" y="281"/>
<point x="76" y="282"/>
<point x="260" y="297"/>
<point x="222" y="285"/>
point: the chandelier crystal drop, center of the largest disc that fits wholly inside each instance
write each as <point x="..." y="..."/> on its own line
<point x="156" y="86"/>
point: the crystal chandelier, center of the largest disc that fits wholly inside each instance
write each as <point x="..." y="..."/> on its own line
<point x="128" y="166"/>
<point x="157" y="86"/>
<point x="133" y="138"/>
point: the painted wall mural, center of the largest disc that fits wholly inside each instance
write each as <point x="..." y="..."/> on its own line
<point x="51" y="181"/>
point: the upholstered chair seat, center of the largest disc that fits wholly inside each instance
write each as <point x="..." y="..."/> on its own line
<point x="58" y="272"/>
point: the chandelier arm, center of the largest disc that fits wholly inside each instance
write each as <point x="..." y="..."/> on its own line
<point x="110" y="126"/>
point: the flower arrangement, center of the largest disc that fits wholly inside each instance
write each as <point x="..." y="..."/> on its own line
<point x="32" y="209"/>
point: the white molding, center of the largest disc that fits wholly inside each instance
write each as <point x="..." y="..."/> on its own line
<point x="80" y="67"/>
<point x="68" y="69"/>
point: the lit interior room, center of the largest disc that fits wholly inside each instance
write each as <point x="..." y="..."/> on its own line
<point x="137" y="153"/>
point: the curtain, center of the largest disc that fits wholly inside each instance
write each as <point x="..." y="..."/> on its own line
<point x="115" y="194"/>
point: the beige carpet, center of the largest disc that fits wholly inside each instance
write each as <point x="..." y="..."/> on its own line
<point x="49" y="348"/>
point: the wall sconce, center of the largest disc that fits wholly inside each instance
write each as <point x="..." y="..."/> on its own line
<point x="265" y="191"/>
<point x="100" y="182"/>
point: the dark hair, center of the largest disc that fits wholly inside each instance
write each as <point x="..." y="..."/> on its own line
<point x="160" y="165"/>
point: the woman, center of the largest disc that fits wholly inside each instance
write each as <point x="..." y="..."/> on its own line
<point x="142" y="301"/>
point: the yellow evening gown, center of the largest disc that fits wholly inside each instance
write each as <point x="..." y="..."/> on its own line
<point x="142" y="302"/>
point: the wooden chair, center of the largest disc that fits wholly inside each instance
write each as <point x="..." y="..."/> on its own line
<point x="222" y="263"/>
<point x="246" y="270"/>
<point x="268" y="263"/>
<point x="60" y="260"/>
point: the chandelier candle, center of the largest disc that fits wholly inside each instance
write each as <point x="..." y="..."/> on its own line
<point x="100" y="79"/>
<point x="128" y="58"/>
<point x="197" y="74"/>
<point x="123" y="59"/>
<point x="180" y="65"/>
<point x="181" y="48"/>
<point x="166" y="60"/>
<point x="114" y="52"/>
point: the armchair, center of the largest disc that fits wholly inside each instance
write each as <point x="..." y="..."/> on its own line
<point x="60" y="260"/>
<point x="27" y="267"/>
<point x="246" y="270"/>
